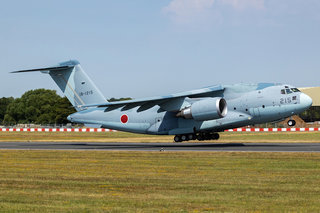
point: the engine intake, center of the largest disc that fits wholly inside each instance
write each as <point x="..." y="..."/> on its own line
<point x="207" y="109"/>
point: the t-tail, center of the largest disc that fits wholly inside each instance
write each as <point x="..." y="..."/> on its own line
<point x="74" y="83"/>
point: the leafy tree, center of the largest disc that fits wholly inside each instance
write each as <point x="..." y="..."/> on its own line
<point x="63" y="109"/>
<point x="15" y="112"/>
<point x="4" y="102"/>
<point x="311" y="115"/>
<point x="38" y="106"/>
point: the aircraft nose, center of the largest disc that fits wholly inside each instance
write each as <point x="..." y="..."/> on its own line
<point x="69" y="118"/>
<point x="305" y="100"/>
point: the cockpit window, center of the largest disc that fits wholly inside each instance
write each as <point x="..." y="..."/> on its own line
<point x="295" y="90"/>
<point x="288" y="91"/>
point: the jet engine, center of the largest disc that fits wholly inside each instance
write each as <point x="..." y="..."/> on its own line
<point x="207" y="109"/>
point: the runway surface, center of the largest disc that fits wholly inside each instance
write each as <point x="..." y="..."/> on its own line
<point x="245" y="147"/>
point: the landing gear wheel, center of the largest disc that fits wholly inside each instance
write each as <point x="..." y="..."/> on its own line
<point x="194" y="136"/>
<point x="191" y="136"/>
<point x="291" y="122"/>
<point x="184" y="137"/>
<point x="215" y="136"/>
<point x="200" y="137"/>
<point x="207" y="136"/>
<point x="177" y="139"/>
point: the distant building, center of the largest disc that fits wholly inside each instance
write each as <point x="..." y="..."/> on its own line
<point x="314" y="93"/>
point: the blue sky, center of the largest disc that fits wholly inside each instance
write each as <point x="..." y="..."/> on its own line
<point x="150" y="47"/>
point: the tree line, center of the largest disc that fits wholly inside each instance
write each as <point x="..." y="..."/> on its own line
<point x="40" y="106"/>
<point x="311" y="115"/>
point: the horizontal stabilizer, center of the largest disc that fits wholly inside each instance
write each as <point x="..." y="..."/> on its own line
<point x="62" y="66"/>
<point x="45" y="69"/>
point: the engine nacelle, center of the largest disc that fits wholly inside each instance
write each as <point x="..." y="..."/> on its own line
<point x="207" y="109"/>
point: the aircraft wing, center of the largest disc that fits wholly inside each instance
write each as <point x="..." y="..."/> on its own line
<point x="172" y="102"/>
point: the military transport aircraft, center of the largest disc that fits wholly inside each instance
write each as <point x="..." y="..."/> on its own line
<point x="198" y="114"/>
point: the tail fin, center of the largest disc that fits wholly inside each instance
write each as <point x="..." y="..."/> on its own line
<point x="74" y="83"/>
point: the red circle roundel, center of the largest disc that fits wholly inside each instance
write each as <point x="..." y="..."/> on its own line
<point x="124" y="119"/>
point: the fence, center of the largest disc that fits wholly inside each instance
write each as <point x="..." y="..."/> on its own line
<point x="110" y="130"/>
<point x="56" y="130"/>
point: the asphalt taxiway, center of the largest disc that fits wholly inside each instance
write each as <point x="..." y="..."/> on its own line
<point x="212" y="147"/>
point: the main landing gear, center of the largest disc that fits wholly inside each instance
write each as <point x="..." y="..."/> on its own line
<point x="199" y="136"/>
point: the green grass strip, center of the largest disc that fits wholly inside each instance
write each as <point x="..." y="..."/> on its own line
<point x="89" y="181"/>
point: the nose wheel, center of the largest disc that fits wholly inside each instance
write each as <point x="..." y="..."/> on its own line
<point x="199" y="136"/>
<point x="291" y="122"/>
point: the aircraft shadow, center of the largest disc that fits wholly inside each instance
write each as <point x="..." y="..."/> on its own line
<point x="160" y="145"/>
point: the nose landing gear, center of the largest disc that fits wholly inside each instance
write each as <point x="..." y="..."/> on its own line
<point x="197" y="136"/>
<point x="291" y="122"/>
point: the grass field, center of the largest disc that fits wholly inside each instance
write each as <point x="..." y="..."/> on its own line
<point x="226" y="137"/>
<point x="82" y="181"/>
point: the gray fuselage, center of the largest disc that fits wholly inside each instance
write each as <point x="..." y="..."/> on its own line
<point x="247" y="104"/>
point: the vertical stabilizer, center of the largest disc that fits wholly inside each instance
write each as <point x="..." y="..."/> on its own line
<point x="74" y="83"/>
